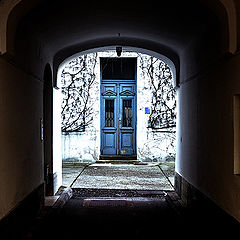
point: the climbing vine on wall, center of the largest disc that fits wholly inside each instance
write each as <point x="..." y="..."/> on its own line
<point x="79" y="75"/>
<point x="77" y="78"/>
<point x="163" y="107"/>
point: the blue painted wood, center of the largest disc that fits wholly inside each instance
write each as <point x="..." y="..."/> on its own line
<point x="118" y="139"/>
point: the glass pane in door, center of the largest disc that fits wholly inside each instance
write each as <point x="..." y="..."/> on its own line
<point x="127" y="113"/>
<point x="109" y="113"/>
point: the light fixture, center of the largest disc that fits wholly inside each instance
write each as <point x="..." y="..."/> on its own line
<point x="119" y="51"/>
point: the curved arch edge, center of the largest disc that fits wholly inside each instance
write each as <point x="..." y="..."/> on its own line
<point x="172" y="62"/>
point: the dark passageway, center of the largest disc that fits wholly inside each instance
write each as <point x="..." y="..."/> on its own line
<point x="201" y="38"/>
<point x="124" y="214"/>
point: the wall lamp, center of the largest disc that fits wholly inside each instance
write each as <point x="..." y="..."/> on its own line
<point x="119" y="51"/>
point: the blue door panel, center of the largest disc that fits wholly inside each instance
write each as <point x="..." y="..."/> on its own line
<point x="118" y="118"/>
<point x="109" y="142"/>
<point x="127" y="143"/>
<point x="108" y="122"/>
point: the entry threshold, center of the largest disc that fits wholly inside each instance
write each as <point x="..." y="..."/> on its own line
<point x="118" y="158"/>
<point x="122" y="202"/>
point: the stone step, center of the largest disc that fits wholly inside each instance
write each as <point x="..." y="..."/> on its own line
<point x="118" y="157"/>
<point x="121" y="162"/>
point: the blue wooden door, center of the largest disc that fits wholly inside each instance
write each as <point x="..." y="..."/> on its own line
<point x="127" y="119"/>
<point x="118" y="116"/>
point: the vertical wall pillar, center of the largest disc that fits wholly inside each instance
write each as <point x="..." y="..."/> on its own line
<point x="57" y="150"/>
<point x="48" y="130"/>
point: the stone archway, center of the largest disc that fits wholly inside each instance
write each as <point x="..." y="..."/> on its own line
<point x="8" y="28"/>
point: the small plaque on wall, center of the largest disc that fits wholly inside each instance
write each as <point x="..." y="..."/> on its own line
<point x="147" y="110"/>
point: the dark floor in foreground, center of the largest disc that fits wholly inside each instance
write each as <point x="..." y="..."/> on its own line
<point x="124" y="214"/>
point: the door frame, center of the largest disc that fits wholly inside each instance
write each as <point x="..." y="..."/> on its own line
<point x="118" y="102"/>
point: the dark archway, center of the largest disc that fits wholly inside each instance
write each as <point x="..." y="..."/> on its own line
<point x="189" y="30"/>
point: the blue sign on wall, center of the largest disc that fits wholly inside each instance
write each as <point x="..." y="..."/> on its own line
<point x="147" y="110"/>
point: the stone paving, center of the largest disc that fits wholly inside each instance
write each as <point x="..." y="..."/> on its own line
<point x="69" y="174"/>
<point x="116" y="176"/>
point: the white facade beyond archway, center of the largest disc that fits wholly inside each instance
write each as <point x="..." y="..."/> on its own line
<point x="125" y="48"/>
<point x="58" y="164"/>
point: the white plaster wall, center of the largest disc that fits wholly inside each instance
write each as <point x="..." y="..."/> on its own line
<point x="187" y="130"/>
<point x="57" y="158"/>
<point x="21" y="158"/>
<point x="205" y="153"/>
<point x="80" y="147"/>
<point x="150" y="145"/>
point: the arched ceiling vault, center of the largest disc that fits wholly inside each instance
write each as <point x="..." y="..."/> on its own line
<point x="64" y="27"/>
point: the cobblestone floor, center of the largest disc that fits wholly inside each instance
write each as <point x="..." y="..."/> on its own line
<point x="118" y="176"/>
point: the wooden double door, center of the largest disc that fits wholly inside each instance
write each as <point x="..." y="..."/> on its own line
<point x="118" y="116"/>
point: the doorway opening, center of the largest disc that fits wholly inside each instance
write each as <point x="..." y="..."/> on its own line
<point x="118" y="108"/>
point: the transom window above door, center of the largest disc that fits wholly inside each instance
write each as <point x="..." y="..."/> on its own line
<point x="118" y="68"/>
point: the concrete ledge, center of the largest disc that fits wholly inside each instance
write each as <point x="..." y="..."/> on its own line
<point x="50" y="200"/>
<point x="191" y="202"/>
<point x="64" y="197"/>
